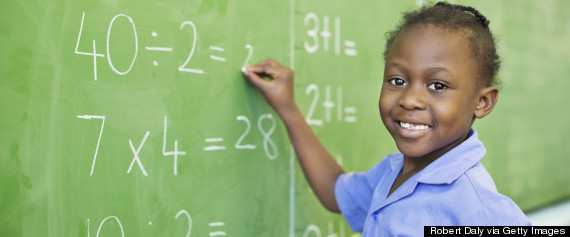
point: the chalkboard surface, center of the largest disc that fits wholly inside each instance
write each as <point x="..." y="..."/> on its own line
<point x="131" y="118"/>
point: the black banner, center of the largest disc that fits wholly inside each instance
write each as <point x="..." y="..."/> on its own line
<point x="496" y="231"/>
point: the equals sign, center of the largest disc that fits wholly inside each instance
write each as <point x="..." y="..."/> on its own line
<point x="217" y="233"/>
<point x="214" y="148"/>
<point x="217" y="58"/>
<point x="351" y="118"/>
<point x="349" y="48"/>
<point x="163" y="49"/>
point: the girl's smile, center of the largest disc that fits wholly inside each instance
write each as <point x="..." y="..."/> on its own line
<point x="412" y="130"/>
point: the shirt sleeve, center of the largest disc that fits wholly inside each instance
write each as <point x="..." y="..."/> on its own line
<point x="353" y="193"/>
<point x="502" y="212"/>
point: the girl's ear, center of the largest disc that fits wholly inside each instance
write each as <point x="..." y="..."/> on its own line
<point x="487" y="100"/>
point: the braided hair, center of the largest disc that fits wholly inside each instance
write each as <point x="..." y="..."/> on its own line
<point x="457" y="18"/>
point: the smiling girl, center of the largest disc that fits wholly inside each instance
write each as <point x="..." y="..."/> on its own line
<point x="439" y="76"/>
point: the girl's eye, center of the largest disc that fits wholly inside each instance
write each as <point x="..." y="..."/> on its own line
<point x="437" y="86"/>
<point x="397" y="82"/>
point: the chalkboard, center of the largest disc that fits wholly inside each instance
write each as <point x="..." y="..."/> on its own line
<point x="131" y="118"/>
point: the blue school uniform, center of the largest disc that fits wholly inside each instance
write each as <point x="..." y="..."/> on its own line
<point x="455" y="189"/>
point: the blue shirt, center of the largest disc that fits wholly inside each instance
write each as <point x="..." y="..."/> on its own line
<point x="453" y="190"/>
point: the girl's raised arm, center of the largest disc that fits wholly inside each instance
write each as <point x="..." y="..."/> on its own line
<point x="320" y="168"/>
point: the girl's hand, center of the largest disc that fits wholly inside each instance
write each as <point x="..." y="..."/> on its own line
<point x="278" y="91"/>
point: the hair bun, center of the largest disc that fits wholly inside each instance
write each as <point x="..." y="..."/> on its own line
<point x="480" y="17"/>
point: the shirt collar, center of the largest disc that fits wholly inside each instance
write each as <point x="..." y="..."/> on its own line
<point x="455" y="162"/>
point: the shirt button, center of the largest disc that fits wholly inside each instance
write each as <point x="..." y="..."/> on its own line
<point x="375" y="216"/>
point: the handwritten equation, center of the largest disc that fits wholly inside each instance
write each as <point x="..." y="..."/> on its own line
<point x="334" y="109"/>
<point x="211" y="144"/>
<point x="216" y="228"/>
<point x="319" y="36"/>
<point x="217" y="52"/>
<point x="181" y="214"/>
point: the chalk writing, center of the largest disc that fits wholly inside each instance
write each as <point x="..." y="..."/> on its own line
<point x="316" y="32"/>
<point x="346" y="114"/>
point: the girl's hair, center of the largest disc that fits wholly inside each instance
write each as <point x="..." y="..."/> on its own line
<point x="456" y="18"/>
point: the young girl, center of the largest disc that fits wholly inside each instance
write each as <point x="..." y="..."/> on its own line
<point x="439" y="76"/>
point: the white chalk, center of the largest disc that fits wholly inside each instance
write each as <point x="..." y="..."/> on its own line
<point x="243" y="69"/>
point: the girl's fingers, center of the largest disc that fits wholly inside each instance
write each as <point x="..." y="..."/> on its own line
<point x="254" y="78"/>
<point x="268" y="67"/>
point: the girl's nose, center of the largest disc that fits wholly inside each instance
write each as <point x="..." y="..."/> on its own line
<point x="412" y="98"/>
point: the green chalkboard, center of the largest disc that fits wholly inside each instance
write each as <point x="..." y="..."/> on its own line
<point x="131" y="118"/>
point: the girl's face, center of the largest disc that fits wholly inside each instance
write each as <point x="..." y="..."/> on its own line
<point x="430" y="91"/>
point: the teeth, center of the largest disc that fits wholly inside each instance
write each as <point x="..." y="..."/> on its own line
<point x="411" y="126"/>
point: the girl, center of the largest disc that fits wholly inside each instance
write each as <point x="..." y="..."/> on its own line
<point x="439" y="76"/>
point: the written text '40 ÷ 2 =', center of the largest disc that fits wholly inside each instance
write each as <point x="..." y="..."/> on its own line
<point x="217" y="51"/>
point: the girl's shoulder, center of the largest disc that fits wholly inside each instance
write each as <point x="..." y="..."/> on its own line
<point x="489" y="207"/>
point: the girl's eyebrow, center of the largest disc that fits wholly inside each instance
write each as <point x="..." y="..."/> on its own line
<point x="427" y="70"/>
<point x="438" y="69"/>
<point x="397" y="65"/>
